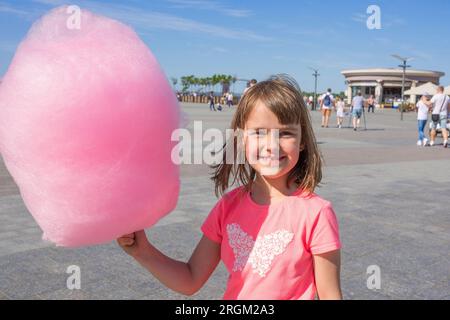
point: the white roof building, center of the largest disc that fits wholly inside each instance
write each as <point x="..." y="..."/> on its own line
<point x="447" y="90"/>
<point x="385" y="84"/>
<point x="427" y="88"/>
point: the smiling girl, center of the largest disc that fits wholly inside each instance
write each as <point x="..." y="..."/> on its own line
<point x="276" y="237"/>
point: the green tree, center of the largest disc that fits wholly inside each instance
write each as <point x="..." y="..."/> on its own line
<point x="215" y="80"/>
<point x="174" y="82"/>
<point x="184" y="83"/>
<point x="205" y="83"/>
<point x="225" y="80"/>
<point x="209" y="82"/>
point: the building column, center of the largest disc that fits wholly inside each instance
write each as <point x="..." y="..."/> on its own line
<point x="379" y="92"/>
<point x="349" y="94"/>
<point x="413" y="97"/>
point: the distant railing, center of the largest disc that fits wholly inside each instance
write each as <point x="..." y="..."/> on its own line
<point x="205" y="99"/>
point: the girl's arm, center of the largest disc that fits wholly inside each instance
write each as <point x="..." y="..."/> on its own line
<point x="185" y="278"/>
<point x="327" y="274"/>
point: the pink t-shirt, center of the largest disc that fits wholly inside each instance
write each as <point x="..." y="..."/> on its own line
<point x="268" y="249"/>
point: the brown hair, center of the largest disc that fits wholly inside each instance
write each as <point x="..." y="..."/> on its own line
<point x="281" y="94"/>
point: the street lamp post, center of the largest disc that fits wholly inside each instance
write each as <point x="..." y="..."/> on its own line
<point x="403" y="66"/>
<point x="315" y="74"/>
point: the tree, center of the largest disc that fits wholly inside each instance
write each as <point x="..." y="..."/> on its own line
<point x="191" y="80"/>
<point x="203" y="82"/>
<point x="187" y="82"/>
<point x="195" y="82"/>
<point x="215" y="80"/>
<point x="225" y="81"/>
<point x="184" y="83"/>
<point x="209" y="82"/>
<point x="174" y="82"/>
<point x="206" y="83"/>
<point x="233" y="80"/>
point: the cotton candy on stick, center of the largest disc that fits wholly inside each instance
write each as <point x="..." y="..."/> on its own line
<point x="86" y="117"/>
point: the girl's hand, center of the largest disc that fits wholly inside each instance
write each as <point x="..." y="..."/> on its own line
<point x="182" y="277"/>
<point x="135" y="244"/>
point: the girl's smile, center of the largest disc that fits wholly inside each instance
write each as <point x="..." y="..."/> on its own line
<point x="271" y="161"/>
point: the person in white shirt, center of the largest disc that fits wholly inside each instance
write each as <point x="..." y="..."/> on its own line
<point x="229" y="99"/>
<point x="422" y="117"/>
<point x="440" y="103"/>
<point x="326" y="104"/>
<point x="310" y="102"/>
<point x="340" y="111"/>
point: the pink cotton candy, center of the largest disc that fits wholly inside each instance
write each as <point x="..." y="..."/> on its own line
<point x="86" y="118"/>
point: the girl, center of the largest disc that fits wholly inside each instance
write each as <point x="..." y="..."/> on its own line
<point x="276" y="237"/>
<point x="371" y="104"/>
<point x="340" y="111"/>
<point x="422" y="117"/>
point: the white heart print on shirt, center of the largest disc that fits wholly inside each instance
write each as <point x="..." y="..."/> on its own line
<point x="259" y="253"/>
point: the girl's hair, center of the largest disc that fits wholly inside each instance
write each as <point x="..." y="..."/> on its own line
<point x="281" y="94"/>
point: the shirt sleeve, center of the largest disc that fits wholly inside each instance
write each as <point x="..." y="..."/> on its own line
<point x="212" y="226"/>
<point x="324" y="236"/>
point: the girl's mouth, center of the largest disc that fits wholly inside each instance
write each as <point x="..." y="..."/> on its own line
<point x="271" y="157"/>
<point x="270" y="160"/>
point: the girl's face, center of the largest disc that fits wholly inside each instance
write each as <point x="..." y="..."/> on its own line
<point x="272" y="149"/>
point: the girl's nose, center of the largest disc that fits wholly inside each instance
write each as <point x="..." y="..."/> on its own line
<point x="272" y="141"/>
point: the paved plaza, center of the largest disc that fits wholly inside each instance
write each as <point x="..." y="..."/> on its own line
<point x="392" y="200"/>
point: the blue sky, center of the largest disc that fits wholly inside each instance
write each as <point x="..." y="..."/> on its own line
<point x="255" y="38"/>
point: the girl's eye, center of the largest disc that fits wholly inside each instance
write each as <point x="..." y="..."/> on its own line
<point x="285" y="133"/>
<point x="257" y="132"/>
<point x="261" y="132"/>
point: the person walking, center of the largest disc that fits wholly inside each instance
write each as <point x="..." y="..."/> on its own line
<point x="340" y="111"/>
<point x="211" y="101"/>
<point x="229" y="99"/>
<point x="357" y="110"/>
<point x="440" y="103"/>
<point x="310" y="102"/>
<point x="371" y="104"/>
<point x="326" y="104"/>
<point x="422" y="118"/>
